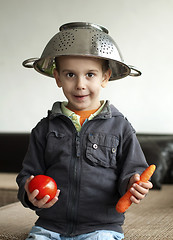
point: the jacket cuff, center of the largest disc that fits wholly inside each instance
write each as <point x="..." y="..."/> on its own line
<point x="124" y="184"/>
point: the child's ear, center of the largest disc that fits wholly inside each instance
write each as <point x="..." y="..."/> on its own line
<point x="106" y="77"/>
<point x="57" y="78"/>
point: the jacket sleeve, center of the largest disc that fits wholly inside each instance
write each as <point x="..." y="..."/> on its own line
<point x="33" y="163"/>
<point x="131" y="160"/>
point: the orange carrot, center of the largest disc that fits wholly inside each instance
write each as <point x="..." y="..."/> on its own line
<point x="125" y="202"/>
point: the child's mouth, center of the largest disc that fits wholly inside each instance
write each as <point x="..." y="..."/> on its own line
<point x="80" y="97"/>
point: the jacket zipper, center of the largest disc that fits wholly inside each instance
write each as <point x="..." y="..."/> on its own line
<point x="74" y="179"/>
<point x="74" y="182"/>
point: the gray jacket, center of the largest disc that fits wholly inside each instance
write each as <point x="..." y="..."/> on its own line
<point x="91" y="168"/>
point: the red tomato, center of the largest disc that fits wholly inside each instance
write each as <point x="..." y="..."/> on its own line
<point x="46" y="186"/>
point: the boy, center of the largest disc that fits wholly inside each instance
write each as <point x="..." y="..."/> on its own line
<point x="90" y="150"/>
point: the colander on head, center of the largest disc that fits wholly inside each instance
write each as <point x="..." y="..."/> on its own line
<point x="82" y="39"/>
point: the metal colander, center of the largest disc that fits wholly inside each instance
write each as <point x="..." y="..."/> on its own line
<point x="82" y="39"/>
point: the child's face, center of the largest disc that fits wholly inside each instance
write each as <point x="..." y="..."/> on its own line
<point x="81" y="79"/>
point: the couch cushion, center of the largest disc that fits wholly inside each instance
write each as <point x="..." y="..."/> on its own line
<point x="8" y="188"/>
<point x="15" y="221"/>
<point x="8" y="181"/>
<point x="152" y="218"/>
<point x="158" y="150"/>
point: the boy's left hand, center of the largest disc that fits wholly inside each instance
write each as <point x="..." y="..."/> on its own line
<point x="139" y="191"/>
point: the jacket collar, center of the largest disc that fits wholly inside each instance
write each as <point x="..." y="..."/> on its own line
<point x="107" y="112"/>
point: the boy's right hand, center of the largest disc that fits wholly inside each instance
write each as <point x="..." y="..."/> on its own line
<point x="40" y="203"/>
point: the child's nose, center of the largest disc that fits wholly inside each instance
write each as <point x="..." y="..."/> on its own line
<point x="80" y="83"/>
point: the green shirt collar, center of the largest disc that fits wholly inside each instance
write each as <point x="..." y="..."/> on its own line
<point x="76" y="118"/>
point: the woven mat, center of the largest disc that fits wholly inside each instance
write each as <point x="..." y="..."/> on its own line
<point x="152" y="218"/>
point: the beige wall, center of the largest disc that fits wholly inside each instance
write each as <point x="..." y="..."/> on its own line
<point x="142" y="29"/>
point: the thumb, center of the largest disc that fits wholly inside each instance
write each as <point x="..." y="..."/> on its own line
<point x="133" y="179"/>
<point x="136" y="177"/>
<point x="27" y="182"/>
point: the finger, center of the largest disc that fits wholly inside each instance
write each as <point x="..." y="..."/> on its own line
<point x="136" y="177"/>
<point x="41" y="203"/>
<point x="57" y="193"/>
<point x="136" y="194"/>
<point x="140" y="189"/>
<point x="51" y="203"/>
<point x="134" y="200"/>
<point x="133" y="179"/>
<point x="29" y="179"/>
<point x="147" y="185"/>
<point x="27" y="183"/>
<point x="32" y="196"/>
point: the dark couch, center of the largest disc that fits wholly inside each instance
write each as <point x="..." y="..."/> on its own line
<point x="158" y="150"/>
<point x="150" y="220"/>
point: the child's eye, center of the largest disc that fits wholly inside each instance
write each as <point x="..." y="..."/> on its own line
<point x="90" y="75"/>
<point x="70" y="75"/>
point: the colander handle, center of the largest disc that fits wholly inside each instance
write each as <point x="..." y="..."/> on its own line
<point x="136" y="72"/>
<point x="29" y="62"/>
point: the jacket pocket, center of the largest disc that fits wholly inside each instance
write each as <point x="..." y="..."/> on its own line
<point x="56" y="146"/>
<point x="55" y="134"/>
<point x="101" y="149"/>
<point x="55" y="140"/>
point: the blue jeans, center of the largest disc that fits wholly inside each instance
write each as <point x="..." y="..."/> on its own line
<point x="39" y="233"/>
